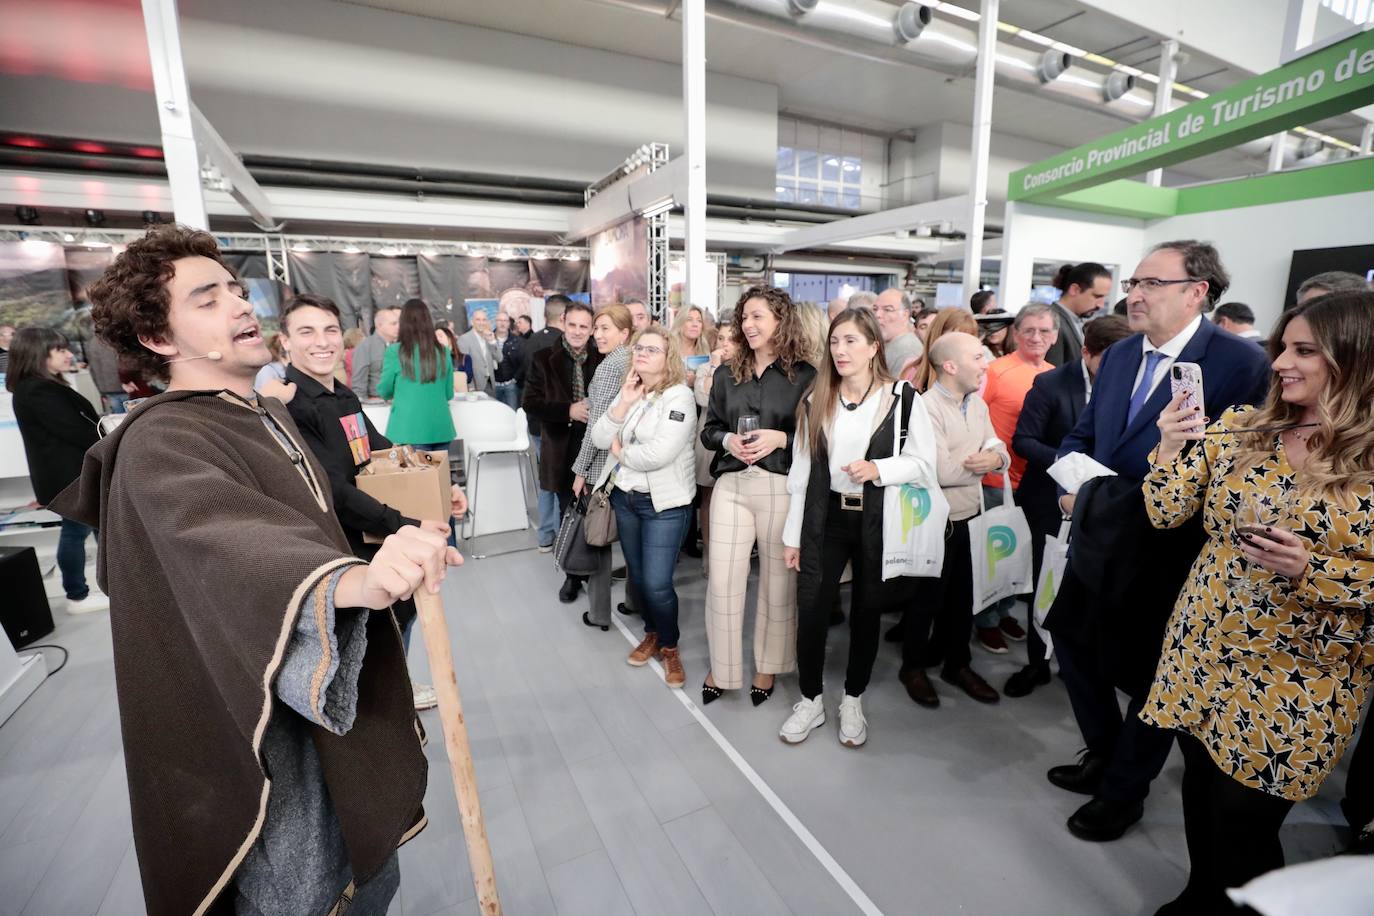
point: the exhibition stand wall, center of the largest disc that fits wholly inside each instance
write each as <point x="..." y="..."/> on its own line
<point x="1076" y="206"/>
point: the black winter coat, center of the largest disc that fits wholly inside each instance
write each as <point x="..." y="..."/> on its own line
<point x="57" y="425"/>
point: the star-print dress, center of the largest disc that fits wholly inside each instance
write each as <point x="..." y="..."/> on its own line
<point x="1271" y="678"/>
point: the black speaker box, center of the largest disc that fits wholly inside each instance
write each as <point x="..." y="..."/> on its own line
<point x="24" y="612"/>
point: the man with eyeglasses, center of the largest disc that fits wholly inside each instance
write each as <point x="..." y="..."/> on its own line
<point x="901" y="346"/>
<point x="1009" y="380"/>
<point x="1124" y="576"/>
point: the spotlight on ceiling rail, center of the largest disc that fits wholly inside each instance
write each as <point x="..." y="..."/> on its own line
<point x="151" y="217"/>
<point x="95" y="217"/>
<point x="1053" y="64"/>
<point x="910" y="21"/>
<point x="28" y="216"/>
<point x="1117" y="85"/>
<point x="801" y="7"/>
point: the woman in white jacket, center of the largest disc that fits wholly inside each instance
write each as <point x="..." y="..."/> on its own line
<point x="858" y="432"/>
<point x="648" y="431"/>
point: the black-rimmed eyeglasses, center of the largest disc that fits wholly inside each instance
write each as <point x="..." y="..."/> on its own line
<point x="1150" y="284"/>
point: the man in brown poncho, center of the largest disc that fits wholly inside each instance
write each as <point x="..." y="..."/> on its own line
<point x="269" y="732"/>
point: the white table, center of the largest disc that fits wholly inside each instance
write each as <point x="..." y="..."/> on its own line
<point x="500" y="504"/>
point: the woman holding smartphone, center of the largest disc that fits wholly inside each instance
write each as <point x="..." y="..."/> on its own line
<point x="750" y="423"/>
<point x="1268" y="656"/>
<point x="845" y="452"/>
<point x="648" y="432"/>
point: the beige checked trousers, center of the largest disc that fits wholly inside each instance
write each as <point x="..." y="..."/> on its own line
<point x="746" y="506"/>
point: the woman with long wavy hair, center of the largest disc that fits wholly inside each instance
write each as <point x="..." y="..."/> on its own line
<point x="761" y="386"/>
<point x="694" y="335"/>
<point x="1268" y="656"/>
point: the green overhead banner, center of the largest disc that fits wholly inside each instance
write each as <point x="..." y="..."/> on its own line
<point x="1331" y="81"/>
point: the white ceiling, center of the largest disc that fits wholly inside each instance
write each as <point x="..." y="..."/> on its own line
<point x="865" y="92"/>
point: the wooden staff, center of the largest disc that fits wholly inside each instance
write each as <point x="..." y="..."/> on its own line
<point x="434" y="630"/>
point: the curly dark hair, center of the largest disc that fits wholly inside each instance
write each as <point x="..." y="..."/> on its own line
<point x="130" y="299"/>
<point x="789" y="340"/>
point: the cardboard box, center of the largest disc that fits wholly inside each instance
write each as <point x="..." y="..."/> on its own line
<point x="420" y="491"/>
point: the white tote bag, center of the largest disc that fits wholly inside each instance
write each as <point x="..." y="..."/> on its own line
<point x="1052" y="567"/>
<point x="914" y="519"/>
<point x="1000" y="542"/>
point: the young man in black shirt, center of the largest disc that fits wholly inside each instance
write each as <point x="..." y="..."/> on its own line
<point x="342" y="438"/>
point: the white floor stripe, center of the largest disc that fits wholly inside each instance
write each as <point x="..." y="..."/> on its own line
<point x="842" y="878"/>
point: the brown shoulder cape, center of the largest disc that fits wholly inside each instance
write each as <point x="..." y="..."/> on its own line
<point x="210" y="538"/>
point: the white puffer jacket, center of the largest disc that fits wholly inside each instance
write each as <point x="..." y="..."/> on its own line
<point x="656" y="438"/>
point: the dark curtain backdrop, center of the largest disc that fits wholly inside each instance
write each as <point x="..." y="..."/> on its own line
<point x="394" y="280"/>
<point x="313" y="272"/>
<point x="558" y="276"/>
<point x="353" y="280"/>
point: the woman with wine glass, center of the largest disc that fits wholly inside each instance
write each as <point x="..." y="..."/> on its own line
<point x="1268" y="657"/>
<point x="749" y="425"/>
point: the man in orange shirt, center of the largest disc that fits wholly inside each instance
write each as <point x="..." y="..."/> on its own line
<point x="1009" y="381"/>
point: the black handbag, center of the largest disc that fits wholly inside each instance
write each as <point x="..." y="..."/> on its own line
<point x="571" y="552"/>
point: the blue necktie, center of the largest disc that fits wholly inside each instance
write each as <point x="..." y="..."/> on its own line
<point x="1142" y="391"/>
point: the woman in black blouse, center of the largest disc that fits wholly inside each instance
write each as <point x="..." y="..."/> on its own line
<point x="57" y="426"/>
<point x="762" y="383"/>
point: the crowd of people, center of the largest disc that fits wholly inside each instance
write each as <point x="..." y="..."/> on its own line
<point x="1219" y="570"/>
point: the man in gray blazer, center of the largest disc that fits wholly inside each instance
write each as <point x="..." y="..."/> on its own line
<point x="1083" y="290"/>
<point x="480" y="344"/>
<point x="367" y="357"/>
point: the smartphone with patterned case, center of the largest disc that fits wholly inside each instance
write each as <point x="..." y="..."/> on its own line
<point x="1187" y="378"/>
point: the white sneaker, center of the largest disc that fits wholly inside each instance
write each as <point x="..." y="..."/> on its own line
<point x="425" y="697"/>
<point x="807" y="716"/>
<point x="853" y="725"/>
<point x="95" y="601"/>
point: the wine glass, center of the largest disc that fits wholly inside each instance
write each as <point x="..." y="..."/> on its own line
<point x="746" y="427"/>
<point x="1253" y="515"/>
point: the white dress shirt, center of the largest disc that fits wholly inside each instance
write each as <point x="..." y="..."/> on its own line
<point x="1172" y="349"/>
<point x="847" y="441"/>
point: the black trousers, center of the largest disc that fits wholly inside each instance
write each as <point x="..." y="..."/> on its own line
<point x="841" y="543"/>
<point x="1232" y="832"/>
<point x="1135" y="751"/>
<point x="1358" y="804"/>
<point x="943" y="618"/>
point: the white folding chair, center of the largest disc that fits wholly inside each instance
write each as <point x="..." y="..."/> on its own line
<point x="491" y="428"/>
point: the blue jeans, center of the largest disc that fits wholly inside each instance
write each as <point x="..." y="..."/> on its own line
<point x="548" y="505"/>
<point x="119" y="403"/>
<point x="990" y="618"/>
<point x="650" y="541"/>
<point x="508" y="394"/>
<point x="71" y="558"/>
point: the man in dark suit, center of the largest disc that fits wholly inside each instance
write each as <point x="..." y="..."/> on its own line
<point x="1050" y="411"/>
<point x="1124" y="576"/>
<point x="556" y="397"/>
<point x="545" y="337"/>
<point x="1083" y="290"/>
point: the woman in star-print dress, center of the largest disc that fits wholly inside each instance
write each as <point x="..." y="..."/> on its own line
<point x="1268" y="656"/>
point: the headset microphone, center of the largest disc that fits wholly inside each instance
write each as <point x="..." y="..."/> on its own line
<point x="213" y="355"/>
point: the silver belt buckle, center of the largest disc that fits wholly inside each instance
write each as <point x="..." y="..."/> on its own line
<point x="854" y="502"/>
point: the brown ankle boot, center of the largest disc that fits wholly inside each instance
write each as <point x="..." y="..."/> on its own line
<point x="644" y="651"/>
<point x="673" y="675"/>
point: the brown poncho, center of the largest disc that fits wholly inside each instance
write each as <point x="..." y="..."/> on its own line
<point x="212" y="534"/>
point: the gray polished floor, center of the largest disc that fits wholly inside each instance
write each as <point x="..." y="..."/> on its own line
<point x="603" y="794"/>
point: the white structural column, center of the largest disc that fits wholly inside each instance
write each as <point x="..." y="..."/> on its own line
<point x="1164" y="93"/>
<point x="1367" y="140"/>
<point x="701" y="274"/>
<point x="1276" y="150"/>
<point x="982" y="138"/>
<point x="179" y="150"/>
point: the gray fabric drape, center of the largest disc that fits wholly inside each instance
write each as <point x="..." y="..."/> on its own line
<point x="353" y="279"/>
<point x="394" y="280"/>
<point x="559" y="276"/>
